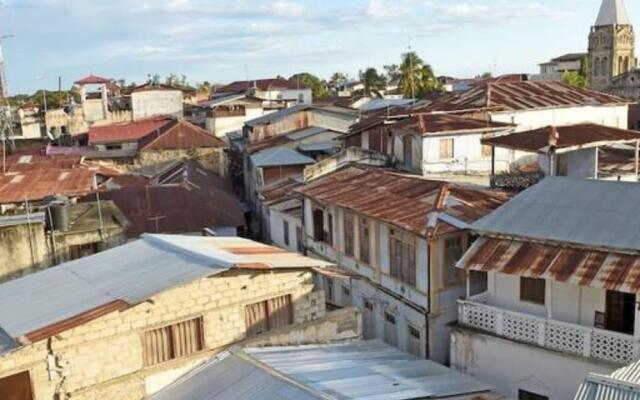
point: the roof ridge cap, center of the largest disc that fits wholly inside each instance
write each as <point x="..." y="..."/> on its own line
<point x="163" y="243"/>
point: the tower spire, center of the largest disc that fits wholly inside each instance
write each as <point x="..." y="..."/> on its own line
<point x="613" y="12"/>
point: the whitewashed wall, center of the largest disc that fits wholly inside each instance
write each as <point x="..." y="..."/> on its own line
<point x="152" y="103"/>
<point x="614" y="116"/>
<point x="276" y="227"/>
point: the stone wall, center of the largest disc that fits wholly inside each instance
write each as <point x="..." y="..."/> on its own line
<point x="103" y="359"/>
<point x="214" y="159"/>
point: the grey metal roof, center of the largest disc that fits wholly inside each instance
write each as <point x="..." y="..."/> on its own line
<point x="22" y="219"/>
<point x="353" y="370"/>
<point x="622" y="384"/>
<point x="367" y="369"/>
<point x="232" y="377"/>
<point x="613" y="12"/>
<point x="307" y="133"/>
<point x="278" y="115"/>
<point x="328" y="147"/>
<point x="131" y="273"/>
<point x="582" y="212"/>
<point x="377" y="104"/>
<point x="279" y="156"/>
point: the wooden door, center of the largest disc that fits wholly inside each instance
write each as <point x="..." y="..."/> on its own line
<point x="620" y="312"/>
<point x="16" y="387"/>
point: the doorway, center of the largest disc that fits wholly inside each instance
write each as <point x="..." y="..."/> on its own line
<point x="620" y="312"/>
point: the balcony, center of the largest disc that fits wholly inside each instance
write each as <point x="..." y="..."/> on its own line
<point x="551" y="334"/>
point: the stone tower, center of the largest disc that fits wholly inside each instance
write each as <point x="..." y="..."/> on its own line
<point x="611" y="44"/>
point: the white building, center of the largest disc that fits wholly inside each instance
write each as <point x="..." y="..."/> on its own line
<point x="151" y="100"/>
<point x="551" y="289"/>
<point x="556" y="67"/>
<point x="228" y="114"/>
<point x="271" y="90"/>
<point x="535" y="104"/>
<point x="397" y="238"/>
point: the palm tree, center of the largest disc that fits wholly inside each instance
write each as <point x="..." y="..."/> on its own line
<point x="417" y="78"/>
<point x="374" y="83"/>
<point x="393" y="72"/>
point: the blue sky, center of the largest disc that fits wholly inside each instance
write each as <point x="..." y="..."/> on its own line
<point x="225" y="40"/>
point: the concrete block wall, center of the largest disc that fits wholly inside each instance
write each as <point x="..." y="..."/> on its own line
<point x="108" y="351"/>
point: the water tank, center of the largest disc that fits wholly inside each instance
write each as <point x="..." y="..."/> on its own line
<point x="58" y="215"/>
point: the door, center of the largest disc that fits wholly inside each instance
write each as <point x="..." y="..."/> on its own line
<point x="620" y="312"/>
<point x="390" y="331"/>
<point x="368" y="321"/>
<point x="16" y="387"/>
<point x="413" y="341"/>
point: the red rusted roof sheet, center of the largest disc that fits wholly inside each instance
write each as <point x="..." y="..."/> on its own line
<point x="584" y="267"/>
<point x="182" y="135"/>
<point x="552" y="137"/>
<point x="525" y="95"/>
<point x="403" y="200"/>
<point x="128" y="131"/>
<point x="92" y="80"/>
<point x="426" y="124"/>
<point x="16" y="187"/>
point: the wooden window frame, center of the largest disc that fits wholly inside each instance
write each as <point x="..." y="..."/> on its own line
<point x="174" y="349"/>
<point x="446" y="148"/>
<point x="269" y="314"/>
<point x="529" y="290"/>
<point x="365" y="241"/>
<point x="349" y="234"/>
<point x="402" y="258"/>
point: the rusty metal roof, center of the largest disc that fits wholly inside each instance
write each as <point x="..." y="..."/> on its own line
<point x="128" y="131"/>
<point x="543" y="140"/>
<point x="427" y="124"/>
<point x="16" y="187"/>
<point x="584" y="267"/>
<point x="524" y="95"/>
<point x="421" y="206"/>
<point x="181" y="135"/>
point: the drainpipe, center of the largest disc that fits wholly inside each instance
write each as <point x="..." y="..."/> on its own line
<point x="427" y="351"/>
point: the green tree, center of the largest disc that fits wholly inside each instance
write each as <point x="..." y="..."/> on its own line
<point x="318" y="86"/>
<point x="337" y="78"/>
<point x="417" y="78"/>
<point x="374" y="82"/>
<point x="393" y="72"/>
<point x="204" y="87"/>
<point x="486" y="75"/>
<point x="578" y="78"/>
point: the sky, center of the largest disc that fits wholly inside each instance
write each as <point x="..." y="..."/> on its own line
<point x="225" y="40"/>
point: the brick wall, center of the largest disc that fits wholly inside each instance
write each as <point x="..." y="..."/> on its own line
<point x="103" y="358"/>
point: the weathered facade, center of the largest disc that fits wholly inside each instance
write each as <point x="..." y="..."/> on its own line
<point x="122" y="350"/>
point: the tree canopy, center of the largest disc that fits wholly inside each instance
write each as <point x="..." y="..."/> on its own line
<point x="578" y="78"/>
<point x="318" y="86"/>
<point x="417" y="78"/>
<point x="374" y="83"/>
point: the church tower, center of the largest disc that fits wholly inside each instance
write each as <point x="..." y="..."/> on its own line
<point x="611" y="44"/>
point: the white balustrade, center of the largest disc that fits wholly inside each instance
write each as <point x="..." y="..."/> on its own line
<point x="556" y="335"/>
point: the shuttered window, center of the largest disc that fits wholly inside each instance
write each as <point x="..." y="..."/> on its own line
<point x="269" y="314"/>
<point x="173" y="341"/>
<point x="364" y="241"/>
<point x="403" y="260"/>
<point x="348" y="235"/>
<point x="532" y="290"/>
<point x="446" y="149"/>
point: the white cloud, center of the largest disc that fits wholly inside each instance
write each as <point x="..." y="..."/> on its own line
<point x="388" y="9"/>
<point x="287" y="8"/>
<point x="496" y="12"/>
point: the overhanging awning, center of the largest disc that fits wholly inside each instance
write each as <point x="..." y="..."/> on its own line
<point x="584" y="267"/>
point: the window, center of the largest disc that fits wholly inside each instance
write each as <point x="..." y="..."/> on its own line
<point x="83" y="250"/>
<point x="478" y="282"/>
<point x="173" y="341"/>
<point x="299" y="246"/>
<point x="446" y="149"/>
<point x="268" y="315"/>
<point x="301" y="98"/>
<point x="348" y="235"/>
<point x="16" y="387"/>
<point x="486" y="151"/>
<point x="525" y="395"/>
<point x="328" y="289"/>
<point x="318" y="225"/>
<point x="329" y="234"/>
<point x="365" y="241"/>
<point x="403" y="260"/>
<point x="532" y="290"/>
<point x="452" y="253"/>
<point x="346" y="291"/>
<point x="285" y="230"/>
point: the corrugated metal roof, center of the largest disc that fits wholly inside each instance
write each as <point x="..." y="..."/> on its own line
<point x="11" y="220"/>
<point x="598" y="269"/>
<point x="427" y="124"/>
<point x="279" y="156"/>
<point x="262" y="84"/>
<point x="367" y="370"/>
<point x="622" y="384"/>
<point x="307" y="132"/>
<point x="272" y="117"/>
<point x="589" y="213"/>
<point x="16" y="187"/>
<point x="128" y="131"/>
<point x="551" y="137"/>
<point x="407" y="201"/>
<point x="47" y="302"/>
<point x="181" y="135"/>
<point x="524" y="95"/>
<point x="233" y="377"/>
<point x="353" y="370"/>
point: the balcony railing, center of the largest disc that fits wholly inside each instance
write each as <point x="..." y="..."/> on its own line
<point x="551" y="334"/>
